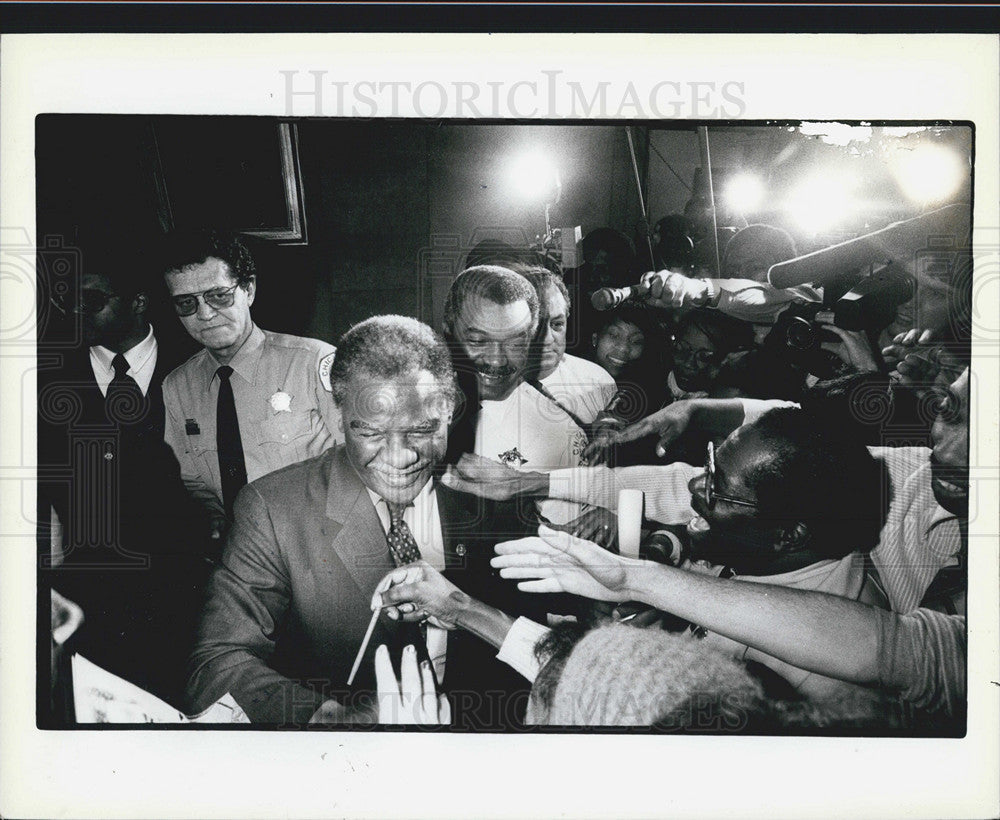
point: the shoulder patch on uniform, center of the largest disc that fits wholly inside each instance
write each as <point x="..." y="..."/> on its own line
<point x="325" y="365"/>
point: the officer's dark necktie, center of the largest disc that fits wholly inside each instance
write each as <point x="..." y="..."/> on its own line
<point x="402" y="544"/>
<point x="123" y="401"/>
<point x="232" y="467"/>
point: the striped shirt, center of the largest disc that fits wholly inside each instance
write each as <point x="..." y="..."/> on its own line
<point x="922" y="656"/>
<point x="919" y="537"/>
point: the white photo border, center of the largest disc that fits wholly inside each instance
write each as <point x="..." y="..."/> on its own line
<point x="371" y="774"/>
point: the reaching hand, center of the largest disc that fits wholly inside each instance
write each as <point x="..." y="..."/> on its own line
<point x="598" y="525"/>
<point x="598" y="449"/>
<point x="413" y="698"/>
<point x="491" y="479"/>
<point x="669" y="289"/>
<point x="853" y="348"/>
<point x="917" y="359"/>
<point x="668" y="423"/>
<point x="418" y="592"/>
<point x="559" y="562"/>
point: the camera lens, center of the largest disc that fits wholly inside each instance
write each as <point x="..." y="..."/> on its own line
<point x="800" y="334"/>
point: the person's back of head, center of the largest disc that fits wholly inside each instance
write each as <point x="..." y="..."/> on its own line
<point x="754" y="249"/>
<point x="758" y="374"/>
<point x="621" y="675"/>
<point x="816" y="474"/>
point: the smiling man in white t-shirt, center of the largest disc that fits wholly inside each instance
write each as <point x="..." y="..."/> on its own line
<point x="491" y="315"/>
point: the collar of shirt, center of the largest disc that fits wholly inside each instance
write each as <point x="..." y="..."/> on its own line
<point x="938" y="516"/>
<point x="244" y="362"/>
<point x="932" y="513"/>
<point x="423" y="519"/>
<point x="141" y="363"/>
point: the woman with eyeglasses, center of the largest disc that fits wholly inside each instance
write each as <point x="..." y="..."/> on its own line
<point x="698" y="348"/>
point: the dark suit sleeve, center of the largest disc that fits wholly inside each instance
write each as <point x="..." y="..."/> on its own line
<point x="248" y="597"/>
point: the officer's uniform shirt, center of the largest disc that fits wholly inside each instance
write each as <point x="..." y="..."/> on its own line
<point x="284" y="404"/>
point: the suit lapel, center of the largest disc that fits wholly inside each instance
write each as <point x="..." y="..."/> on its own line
<point x="353" y="526"/>
<point x="79" y="369"/>
<point x="458" y="524"/>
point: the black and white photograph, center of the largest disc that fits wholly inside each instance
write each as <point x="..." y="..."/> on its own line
<point x="532" y="420"/>
<point x="418" y="413"/>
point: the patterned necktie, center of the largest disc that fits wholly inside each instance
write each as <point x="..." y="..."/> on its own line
<point x="232" y="467"/>
<point x="402" y="545"/>
<point x="124" y="402"/>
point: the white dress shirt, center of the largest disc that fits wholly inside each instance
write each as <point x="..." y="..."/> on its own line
<point x="141" y="363"/>
<point x="424" y="521"/>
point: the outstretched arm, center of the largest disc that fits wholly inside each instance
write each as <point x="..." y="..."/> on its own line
<point x="665" y="487"/>
<point x="419" y="591"/>
<point x="821" y="633"/>
<point x="718" y="417"/>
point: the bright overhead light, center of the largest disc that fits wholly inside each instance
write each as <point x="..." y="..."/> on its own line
<point x="821" y="201"/>
<point x="928" y="173"/>
<point x="534" y="177"/>
<point x="744" y="193"/>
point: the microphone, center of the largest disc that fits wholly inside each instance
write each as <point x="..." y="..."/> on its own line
<point x="610" y="298"/>
<point x="899" y="241"/>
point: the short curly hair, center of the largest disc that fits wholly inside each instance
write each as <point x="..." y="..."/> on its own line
<point x="491" y="282"/>
<point x="184" y="248"/>
<point x="386" y="347"/>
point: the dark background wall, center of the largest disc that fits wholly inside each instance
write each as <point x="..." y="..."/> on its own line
<point x="391" y="206"/>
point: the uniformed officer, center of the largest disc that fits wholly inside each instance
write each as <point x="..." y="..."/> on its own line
<point x="251" y="401"/>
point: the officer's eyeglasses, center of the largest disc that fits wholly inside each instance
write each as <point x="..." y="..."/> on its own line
<point x="710" y="494"/>
<point x="216" y="298"/>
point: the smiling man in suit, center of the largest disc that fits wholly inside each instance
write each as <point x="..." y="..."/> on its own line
<point x="288" y="608"/>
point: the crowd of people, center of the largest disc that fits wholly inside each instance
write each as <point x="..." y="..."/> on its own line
<point x="230" y="523"/>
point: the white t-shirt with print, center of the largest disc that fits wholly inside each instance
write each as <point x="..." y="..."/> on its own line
<point x="528" y="431"/>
